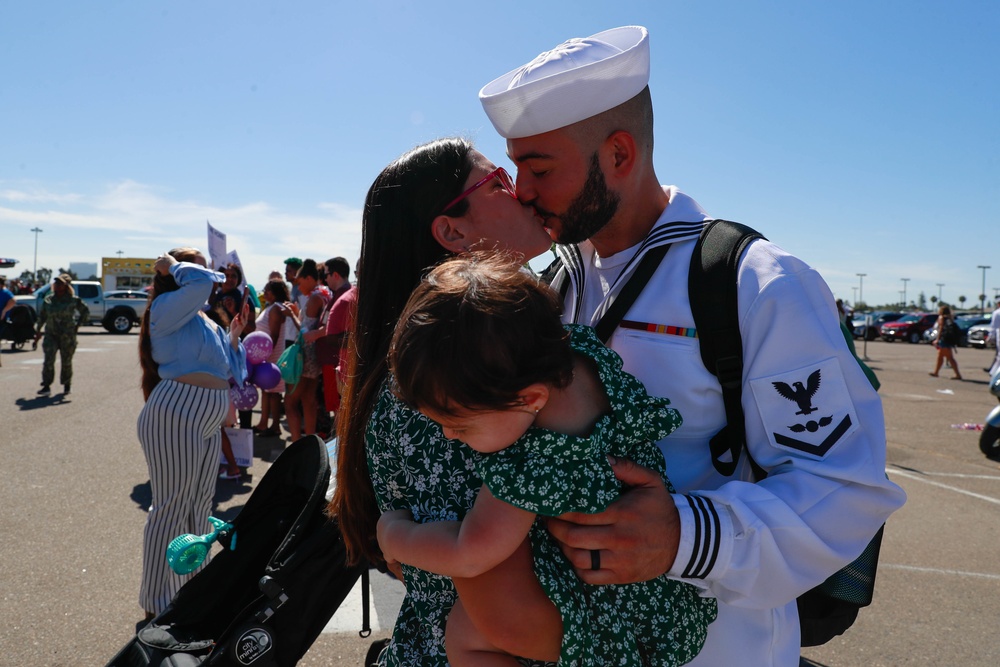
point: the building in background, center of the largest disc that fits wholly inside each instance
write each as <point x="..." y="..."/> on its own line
<point x="126" y="272"/>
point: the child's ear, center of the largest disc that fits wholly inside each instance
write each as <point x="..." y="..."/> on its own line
<point x="448" y="232"/>
<point x="534" y="396"/>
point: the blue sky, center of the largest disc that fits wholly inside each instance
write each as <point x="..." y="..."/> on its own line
<point x="861" y="136"/>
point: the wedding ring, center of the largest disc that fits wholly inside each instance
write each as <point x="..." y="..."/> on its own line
<point x="595" y="559"/>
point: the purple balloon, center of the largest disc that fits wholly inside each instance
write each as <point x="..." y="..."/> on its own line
<point x="244" y="397"/>
<point x="258" y="346"/>
<point x="266" y="375"/>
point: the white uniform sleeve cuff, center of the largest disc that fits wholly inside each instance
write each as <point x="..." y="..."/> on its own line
<point x="706" y="538"/>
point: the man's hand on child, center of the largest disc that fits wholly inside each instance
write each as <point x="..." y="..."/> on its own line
<point x="637" y="536"/>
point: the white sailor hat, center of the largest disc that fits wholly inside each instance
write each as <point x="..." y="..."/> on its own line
<point x="580" y="78"/>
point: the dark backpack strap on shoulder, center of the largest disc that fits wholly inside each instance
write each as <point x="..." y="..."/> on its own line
<point x="630" y="292"/>
<point x="626" y="297"/>
<point x="713" y="296"/>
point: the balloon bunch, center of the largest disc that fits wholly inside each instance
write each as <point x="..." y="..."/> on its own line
<point x="260" y="372"/>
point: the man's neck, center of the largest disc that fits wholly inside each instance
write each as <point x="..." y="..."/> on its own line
<point x="631" y="225"/>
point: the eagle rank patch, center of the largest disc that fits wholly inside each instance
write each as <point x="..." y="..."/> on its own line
<point x="807" y="410"/>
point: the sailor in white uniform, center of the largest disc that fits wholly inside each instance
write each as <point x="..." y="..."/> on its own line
<point x="578" y="124"/>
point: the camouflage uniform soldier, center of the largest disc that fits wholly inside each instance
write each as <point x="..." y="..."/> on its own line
<point x="56" y="316"/>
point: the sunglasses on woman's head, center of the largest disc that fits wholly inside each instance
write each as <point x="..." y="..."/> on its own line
<point x="499" y="173"/>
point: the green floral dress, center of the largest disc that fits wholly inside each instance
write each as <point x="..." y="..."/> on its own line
<point x="657" y="622"/>
<point x="413" y="466"/>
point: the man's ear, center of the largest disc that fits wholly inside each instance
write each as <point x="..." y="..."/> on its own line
<point x="449" y="233"/>
<point x="620" y="153"/>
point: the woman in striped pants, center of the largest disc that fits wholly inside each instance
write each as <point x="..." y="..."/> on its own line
<point x="186" y="361"/>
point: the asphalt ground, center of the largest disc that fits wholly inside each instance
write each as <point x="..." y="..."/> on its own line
<point x="74" y="492"/>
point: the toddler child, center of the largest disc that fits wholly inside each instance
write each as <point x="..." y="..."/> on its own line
<point x="480" y="349"/>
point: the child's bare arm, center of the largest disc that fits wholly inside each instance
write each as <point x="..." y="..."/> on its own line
<point x="490" y="532"/>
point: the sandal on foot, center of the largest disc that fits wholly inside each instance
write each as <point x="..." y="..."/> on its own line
<point x="230" y="475"/>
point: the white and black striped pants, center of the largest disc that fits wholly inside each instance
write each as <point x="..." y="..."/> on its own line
<point x="180" y="432"/>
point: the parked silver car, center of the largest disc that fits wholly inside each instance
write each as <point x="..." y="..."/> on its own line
<point x="979" y="336"/>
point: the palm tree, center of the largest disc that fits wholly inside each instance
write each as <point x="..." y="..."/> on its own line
<point x="961" y="300"/>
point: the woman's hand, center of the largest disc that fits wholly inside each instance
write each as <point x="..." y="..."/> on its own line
<point x="637" y="536"/>
<point x="387" y="523"/>
<point x="163" y="263"/>
<point x="237" y="325"/>
<point x="396" y="568"/>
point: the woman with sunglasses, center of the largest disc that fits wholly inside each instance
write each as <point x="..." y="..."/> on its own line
<point x="438" y="200"/>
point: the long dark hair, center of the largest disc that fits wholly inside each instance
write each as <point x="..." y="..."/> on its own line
<point x="161" y="285"/>
<point x="475" y="333"/>
<point x="397" y="248"/>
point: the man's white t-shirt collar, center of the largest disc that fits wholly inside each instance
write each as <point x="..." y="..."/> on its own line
<point x="602" y="272"/>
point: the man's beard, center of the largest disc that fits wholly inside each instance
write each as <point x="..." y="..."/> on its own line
<point x="591" y="210"/>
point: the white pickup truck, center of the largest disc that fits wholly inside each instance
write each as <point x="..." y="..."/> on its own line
<point x="117" y="312"/>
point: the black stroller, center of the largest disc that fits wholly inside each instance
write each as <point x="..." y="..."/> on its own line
<point x="18" y="326"/>
<point x="264" y="602"/>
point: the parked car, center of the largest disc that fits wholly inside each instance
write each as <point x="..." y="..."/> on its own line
<point x="117" y="315"/>
<point x="979" y="336"/>
<point x="126" y="294"/>
<point x="879" y="317"/>
<point x="964" y="322"/>
<point x="910" y="327"/>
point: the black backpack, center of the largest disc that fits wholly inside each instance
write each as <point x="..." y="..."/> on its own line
<point x="829" y="609"/>
<point x="950" y="334"/>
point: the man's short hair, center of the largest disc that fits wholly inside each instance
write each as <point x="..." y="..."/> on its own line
<point x="338" y="265"/>
<point x="293" y="261"/>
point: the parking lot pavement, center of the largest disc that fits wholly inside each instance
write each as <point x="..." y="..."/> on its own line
<point x="74" y="490"/>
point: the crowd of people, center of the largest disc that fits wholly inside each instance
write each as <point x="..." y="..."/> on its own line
<point x="544" y="494"/>
<point x="191" y="353"/>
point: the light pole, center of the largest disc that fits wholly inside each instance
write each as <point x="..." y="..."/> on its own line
<point x="34" y="271"/>
<point x="939" y="286"/>
<point x="905" y="280"/>
<point x="868" y="318"/>
<point x="982" y="295"/>
<point x="855" y="302"/>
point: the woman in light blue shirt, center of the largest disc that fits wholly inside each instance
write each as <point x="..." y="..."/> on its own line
<point x="187" y="361"/>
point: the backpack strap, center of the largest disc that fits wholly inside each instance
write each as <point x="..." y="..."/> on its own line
<point x="712" y="293"/>
<point x="626" y="297"/>
<point x="630" y="292"/>
<point x="366" y="603"/>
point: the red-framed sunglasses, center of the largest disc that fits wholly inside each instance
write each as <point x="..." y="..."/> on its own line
<point x="499" y="173"/>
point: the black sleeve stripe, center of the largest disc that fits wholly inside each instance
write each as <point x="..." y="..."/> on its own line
<point x="707" y="528"/>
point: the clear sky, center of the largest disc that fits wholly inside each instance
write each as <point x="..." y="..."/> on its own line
<point x="860" y="135"/>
